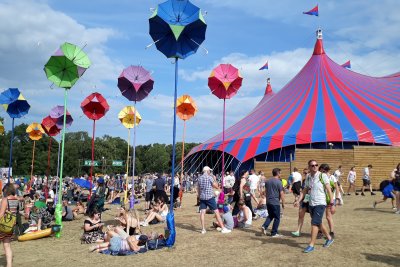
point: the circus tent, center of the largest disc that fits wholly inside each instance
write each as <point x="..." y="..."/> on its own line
<point x="324" y="103"/>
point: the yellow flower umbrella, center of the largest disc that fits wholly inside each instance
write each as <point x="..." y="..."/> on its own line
<point x="35" y="132"/>
<point x="129" y="117"/>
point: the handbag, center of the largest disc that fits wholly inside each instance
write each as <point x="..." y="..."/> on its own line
<point x="8" y="221"/>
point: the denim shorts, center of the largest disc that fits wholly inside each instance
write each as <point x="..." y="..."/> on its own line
<point x="204" y="203"/>
<point x="317" y="212"/>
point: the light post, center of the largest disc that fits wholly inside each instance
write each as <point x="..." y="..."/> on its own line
<point x="102" y="165"/>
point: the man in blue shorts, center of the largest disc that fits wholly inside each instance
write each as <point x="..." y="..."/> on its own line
<point x="205" y="191"/>
<point x="316" y="184"/>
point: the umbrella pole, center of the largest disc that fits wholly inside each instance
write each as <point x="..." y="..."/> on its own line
<point x="223" y="151"/>
<point x="132" y="199"/>
<point x="58" y="156"/>
<point x="92" y="163"/>
<point x="33" y="161"/>
<point x="173" y="139"/>
<point x="58" y="212"/>
<point x="11" y="150"/>
<point x="127" y="170"/>
<point x="183" y="156"/>
<point x="48" y="169"/>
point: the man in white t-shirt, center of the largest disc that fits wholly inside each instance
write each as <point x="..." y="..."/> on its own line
<point x="367" y="180"/>
<point x="254" y="180"/>
<point x="315" y="186"/>
<point x="338" y="173"/>
<point x="296" y="183"/>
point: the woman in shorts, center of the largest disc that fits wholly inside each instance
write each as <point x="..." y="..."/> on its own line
<point x="351" y="178"/>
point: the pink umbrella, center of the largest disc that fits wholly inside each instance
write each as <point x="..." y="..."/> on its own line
<point x="57" y="114"/>
<point x="224" y="82"/>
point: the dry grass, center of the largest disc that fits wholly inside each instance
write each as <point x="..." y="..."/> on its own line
<point x="364" y="237"/>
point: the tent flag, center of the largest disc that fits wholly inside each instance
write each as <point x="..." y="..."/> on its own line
<point x="347" y="65"/>
<point x="313" y="11"/>
<point x="264" y="67"/>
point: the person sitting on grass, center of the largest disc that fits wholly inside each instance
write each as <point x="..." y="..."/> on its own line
<point x="67" y="214"/>
<point x="79" y="210"/>
<point x="261" y="210"/>
<point x="244" y="217"/>
<point x="117" y="241"/>
<point x="227" y="218"/>
<point x="92" y="228"/>
<point x="129" y="220"/>
<point x="387" y="192"/>
<point x="40" y="217"/>
<point x="159" y="212"/>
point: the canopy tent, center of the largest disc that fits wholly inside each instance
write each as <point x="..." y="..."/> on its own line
<point x="324" y="102"/>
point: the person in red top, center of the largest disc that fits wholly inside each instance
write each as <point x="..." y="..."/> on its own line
<point x="9" y="202"/>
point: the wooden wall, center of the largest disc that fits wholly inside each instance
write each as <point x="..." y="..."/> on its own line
<point x="383" y="158"/>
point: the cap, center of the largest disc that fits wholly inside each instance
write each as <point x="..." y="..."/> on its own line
<point x="206" y="168"/>
<point x="100" y="180"/>
<point x="18" y="182"/>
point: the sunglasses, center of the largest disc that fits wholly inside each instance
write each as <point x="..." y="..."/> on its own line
<point x="315" y="165"/>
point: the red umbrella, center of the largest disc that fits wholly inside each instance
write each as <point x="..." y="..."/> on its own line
<point x="50" y="128"/>
<point x="224" y="82"/>
<point x="94" y="106"/>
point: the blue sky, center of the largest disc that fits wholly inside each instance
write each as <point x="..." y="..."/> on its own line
<point x="244" y="33"/>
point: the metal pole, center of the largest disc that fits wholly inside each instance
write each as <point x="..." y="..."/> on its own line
<point x="11" y="150"/>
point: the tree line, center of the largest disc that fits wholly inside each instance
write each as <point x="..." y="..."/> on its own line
<point x="78" y="148"/>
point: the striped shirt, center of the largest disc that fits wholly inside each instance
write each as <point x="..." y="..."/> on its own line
<point x="206" y="187"/>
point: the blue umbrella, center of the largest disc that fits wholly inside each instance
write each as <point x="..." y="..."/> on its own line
<point x="82" y="183"/>
<point x="177" y="27"/>
<point x="16" y="106"/>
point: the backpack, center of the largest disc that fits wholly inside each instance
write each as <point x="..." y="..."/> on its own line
<point x="332" y="184"/>
<point x="383" y="184"/>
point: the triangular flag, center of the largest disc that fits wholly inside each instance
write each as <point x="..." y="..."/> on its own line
<point x="313" y="11"/>
<point x="346" y="65"/>
<point x="264" y="67"/>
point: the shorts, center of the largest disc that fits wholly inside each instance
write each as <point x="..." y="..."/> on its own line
<point x="366" y="182"/>
<point x="149" y="196"/>
<point x="204" y="203"/>
<point x="227" y="190"/>
<point x="317" y="212"/>
<point x="296" y="188"/>
<point x="305" y="206"/>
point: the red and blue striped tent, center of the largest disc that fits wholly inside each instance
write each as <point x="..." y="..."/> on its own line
<point x="323" y="103"/>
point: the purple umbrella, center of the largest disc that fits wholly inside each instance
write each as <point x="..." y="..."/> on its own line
<point x="135" y="83"/>
<point x="57" y="114"/>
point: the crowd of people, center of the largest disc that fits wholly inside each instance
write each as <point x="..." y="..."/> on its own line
<point x="318" y="190"/>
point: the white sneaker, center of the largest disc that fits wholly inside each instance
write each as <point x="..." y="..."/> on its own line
<point x="397" y="212"/>
<point x="203" y="231"/>
<point x="144" y="224"/>
<point x="225" y="231"/>
<point x="277" y="235"/>
<point x="219" y="229"/>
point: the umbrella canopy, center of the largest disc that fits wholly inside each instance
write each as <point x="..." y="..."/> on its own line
<point x="82" y="183"/>
<point x="178" y="28"/>
<point x="225" y="81"/>
<point x="57" y="114"/>
<point x="127" y="117"/>
<point x="95" y="106"/>
<point x="66" y="65"/>
<point x="186" y="108"/>
<point x="14" y="103"/>
<point x="1" y="128"/>
<point x="135" y="83"/>
<point x="35" y="131"/>
<point x="50" y="127"/>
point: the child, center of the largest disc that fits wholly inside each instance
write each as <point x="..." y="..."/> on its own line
<point x="387" y="192"/>
<point x="261" y="210"/>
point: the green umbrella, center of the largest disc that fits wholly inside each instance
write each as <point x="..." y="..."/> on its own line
<point x="66" y="65"/>
<point x="64" y="68"/>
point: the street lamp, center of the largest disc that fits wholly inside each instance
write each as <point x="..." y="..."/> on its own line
<point x="102" y="165"/>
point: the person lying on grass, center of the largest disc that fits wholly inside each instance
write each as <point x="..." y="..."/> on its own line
<point x="159" y="212"/>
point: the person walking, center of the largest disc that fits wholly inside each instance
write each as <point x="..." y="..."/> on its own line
<point x="149" y="191"/>
<point x="274" y="194"/>
<point x="396" y="187"/>
<point x="351" y="178"/>
<point x="206" y="184"/>
<point x="316" y="184"/>
<point x="9" y="202"/>
<point x="367" y="180"/>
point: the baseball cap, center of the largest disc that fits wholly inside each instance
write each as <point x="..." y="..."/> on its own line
<point x="206" y="168"/>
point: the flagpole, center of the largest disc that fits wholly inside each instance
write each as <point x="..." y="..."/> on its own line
<point x="11" y="150"/>
<point x="92" y="163"/>
<point x="132" y="198"/>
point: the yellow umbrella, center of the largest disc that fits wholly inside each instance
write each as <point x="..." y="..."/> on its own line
<point x="35" y="132"/>
<point x="129" y="117"/>
<point x="1" y="128"/>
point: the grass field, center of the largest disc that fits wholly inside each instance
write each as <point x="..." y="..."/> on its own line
<point x="364" y="237"/>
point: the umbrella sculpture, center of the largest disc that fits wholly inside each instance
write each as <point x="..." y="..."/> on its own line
<point x="94" y="106"/>
<point x="224" y="82"/>
<point x="135" y="83"/>
<point x="64" y="68"/>
<point x="16" y="106"/>
<point x="50" y="128"/>
<point x="177" y="27"/>
<point x="129" y="118"/>
<point x="186" y="108"/>
<point x="35" y="132"/>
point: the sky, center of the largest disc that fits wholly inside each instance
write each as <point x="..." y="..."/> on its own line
<point x="246" y="34"/>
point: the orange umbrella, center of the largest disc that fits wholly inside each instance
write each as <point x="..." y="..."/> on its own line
<point x="35" y="131"/>
<point x="186" y="108"/>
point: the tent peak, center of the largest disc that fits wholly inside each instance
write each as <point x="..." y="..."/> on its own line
<point x="268" y="89"/>
<point x="319" y="48"/>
